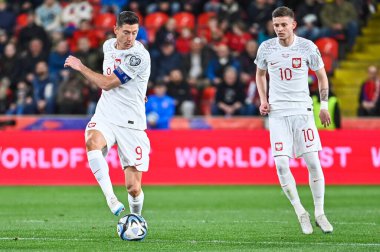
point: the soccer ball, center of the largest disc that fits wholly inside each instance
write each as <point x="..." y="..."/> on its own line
<point x="132" y="227"/>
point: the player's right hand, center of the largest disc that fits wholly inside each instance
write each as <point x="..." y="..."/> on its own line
<point x="264" y="108"/>
<point x="324" y="115"/>
<point x="73" y="62"/>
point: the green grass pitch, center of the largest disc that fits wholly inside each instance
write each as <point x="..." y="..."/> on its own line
<point x="187" y="218"/>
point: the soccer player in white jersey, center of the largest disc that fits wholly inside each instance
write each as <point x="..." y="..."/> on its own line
<point x="287" y="59"/>
<point x="120" y="113"/>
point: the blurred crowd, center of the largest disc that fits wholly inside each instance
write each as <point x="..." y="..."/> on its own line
<point x="202" y="51"/>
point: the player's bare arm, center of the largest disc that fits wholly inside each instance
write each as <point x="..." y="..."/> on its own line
<point x="261" y="81"/>
<point x="323" y="85"/>
<point x="102" y="81"/>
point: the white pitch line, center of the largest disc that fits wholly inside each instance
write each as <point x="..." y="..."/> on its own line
<point x="198" y="221"/>
<point x="215" y="221"/>
<point x="340" y="244"/>
<point x="45" y="239"/>
<point x="252" y="221"/>
<point x="31" y="221"/>
<point x="357" y="223"/>
<point x="62" y="220"/>
<point x="46" y="221"/>
<point x="291" y="243"/>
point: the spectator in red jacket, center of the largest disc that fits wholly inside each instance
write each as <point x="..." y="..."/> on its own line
<point x="85" y="30"/>
<point x="369" y="102"/>
<point x="183" y="42"/>
<point x="238" y="38"/>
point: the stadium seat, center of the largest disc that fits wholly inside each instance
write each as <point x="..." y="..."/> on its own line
<point x="22" y="20"/>
<point x="202" y="20"/>
<point x="328" y="46"/>
<point x="96" y="10"/>
<point x="329" y="49"/>
<point x="207" y="100"/>
<point x="184" y="19"/>
<point x="105" y="21"/>
<point x="151" y="35"/>
<point x="153" y="22"/>
<point x="203" y="29"/>
<point x="329" y="63"/>
<point x="141" y="18"/>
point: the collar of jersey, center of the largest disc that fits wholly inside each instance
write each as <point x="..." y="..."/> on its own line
<point x="287" y="47"/>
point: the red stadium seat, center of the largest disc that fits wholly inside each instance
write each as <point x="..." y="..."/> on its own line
<point x="328" y="46"/>
<point x="22" y="20"/>
<point x="329" y="49"/>
<point x="207" y="100"/>
<point x="151" y="35"/>
<point x="184" y="19"/>
<point x="155" y="20"/>
<point x="96" y="10"/>
<point x="329" y="63"/>
<point x="141" y="18"/>
<point x="105" y="21"/>
<point x="203" y="18"/>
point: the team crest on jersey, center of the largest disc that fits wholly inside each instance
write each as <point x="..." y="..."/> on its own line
<point x="296" y="62"/>
<point x="278" y="146"/>
<point x="134" y="61"/>
<point x="91" y="124"/>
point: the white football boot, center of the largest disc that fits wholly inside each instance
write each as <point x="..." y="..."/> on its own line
<point x="115" y="206"/>
<point x="324" y="224"/>
<point x="305" y="223"/>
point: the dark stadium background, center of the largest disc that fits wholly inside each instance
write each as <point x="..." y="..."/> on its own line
<point x="212" y="184"/>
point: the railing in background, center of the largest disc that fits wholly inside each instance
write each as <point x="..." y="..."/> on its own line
<point x="177" y="123"/>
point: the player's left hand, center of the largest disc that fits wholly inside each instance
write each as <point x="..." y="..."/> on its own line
<point x="73" y="62"/>
<point x="324" y="115"/>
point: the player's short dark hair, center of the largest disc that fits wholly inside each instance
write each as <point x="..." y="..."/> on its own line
<point x="127" y="17"/>
<point x="283" y="11"/>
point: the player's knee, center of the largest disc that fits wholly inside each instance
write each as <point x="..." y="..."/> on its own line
<point x="134" y="189"/>
<point x="282" y="165"/>
<point x="313" y="164"/>
<point x="93" y="143"/>
<point x="315" y="171"/>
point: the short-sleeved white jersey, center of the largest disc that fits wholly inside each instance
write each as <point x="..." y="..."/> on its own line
<point x="125" y="105"/>
<point x="288" y="74"/>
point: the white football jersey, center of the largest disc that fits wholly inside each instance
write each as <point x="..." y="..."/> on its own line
<point x="125" y="105"/>
<point x="288" y="74"/>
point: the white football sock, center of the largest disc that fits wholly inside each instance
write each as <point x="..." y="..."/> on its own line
<point x="99" y="168"/>
<point x="288" y="183"/>
<point x="316" y="181"/>
<point x="136" y="203"/>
